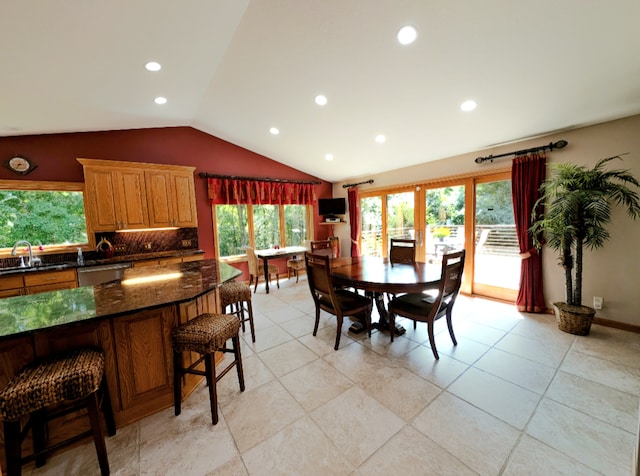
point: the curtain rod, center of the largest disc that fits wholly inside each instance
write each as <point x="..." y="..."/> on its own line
<point x="257" y="179"/>
<point x="561" y="144"/>
<point x="347" y="185"/>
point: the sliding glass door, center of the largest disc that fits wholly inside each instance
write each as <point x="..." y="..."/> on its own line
<point x="497" y="255"/>
<point x="445" y="207"/>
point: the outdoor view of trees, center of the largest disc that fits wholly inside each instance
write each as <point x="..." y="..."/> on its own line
<point x="47" y="217"/>
<point x="233" y="230"/>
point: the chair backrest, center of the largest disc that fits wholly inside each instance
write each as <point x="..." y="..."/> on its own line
<point x="319" y="276"/>
<point x="402" y="251"/>
<point x="252" y="260"/>
<point x="322" y="247"/>
<point x="452" y="268"/>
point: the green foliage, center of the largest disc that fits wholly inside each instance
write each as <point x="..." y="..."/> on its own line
<point x="49" y="217"/>
<point x="578" y="209"/>
<point x="233" y="230"/>
<point x="266" y="226"/>
<point x="445" y="206"/>
<point x="295" y="224"/>
<point x="494" y="204"/>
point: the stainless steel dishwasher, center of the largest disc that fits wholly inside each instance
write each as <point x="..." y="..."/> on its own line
<point x="92" y="275"/>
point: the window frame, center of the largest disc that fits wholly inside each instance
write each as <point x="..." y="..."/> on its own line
<point x="44" y="186"/>
<point x="250" y="226"/>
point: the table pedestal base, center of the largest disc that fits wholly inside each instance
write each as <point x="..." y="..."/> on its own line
<point x="383" y="323"/>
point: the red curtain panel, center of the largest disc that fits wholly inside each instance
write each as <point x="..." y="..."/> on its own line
<point x="354" y="219"/>
<point x="223" y="191"/>
<point x="527" y="174"/>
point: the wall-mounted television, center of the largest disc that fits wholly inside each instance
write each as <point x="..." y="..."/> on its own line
<point x="329" y="207"/>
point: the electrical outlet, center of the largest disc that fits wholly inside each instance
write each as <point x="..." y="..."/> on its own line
<point x="597" y="302"/>
<point x="186" y="243"/>
<point x="146" y="246"/>
<point x="120" y="248"/>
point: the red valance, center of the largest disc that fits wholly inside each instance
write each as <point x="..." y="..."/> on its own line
<point x="224" y="191"/>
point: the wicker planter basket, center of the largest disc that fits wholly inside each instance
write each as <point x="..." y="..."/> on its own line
<point x="574" y="319"/>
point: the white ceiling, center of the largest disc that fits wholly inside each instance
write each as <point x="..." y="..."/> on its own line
<point x="235" y="68"/>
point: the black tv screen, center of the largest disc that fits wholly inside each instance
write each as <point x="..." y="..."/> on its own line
<point x="332" y="206"/>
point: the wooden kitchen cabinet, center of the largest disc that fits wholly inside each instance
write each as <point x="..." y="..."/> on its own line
<point x="115" y="198"/>
<point x="171" y="198"/>
<point x="34" y="282"/>
<point x="123" y="195"/>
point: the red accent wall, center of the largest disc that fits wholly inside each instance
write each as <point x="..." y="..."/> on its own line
<point x="56" y="154"/>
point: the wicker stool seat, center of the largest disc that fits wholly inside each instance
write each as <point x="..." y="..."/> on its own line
<point x="73" y="377"/>
<point x="234" y="294"/>
<point x="205" y="334"/>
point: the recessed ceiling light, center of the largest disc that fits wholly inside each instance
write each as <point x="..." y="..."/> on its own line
<point x="469" y="105"/>
<point x="407" y="35"/>
<point x="329" y="156"/>
<point x="321" y="100"/>
<point x="160" y="100"/>
<point x="380" y="138"/>
<point x="153" y="66"/>
<point x="275" y="131"/>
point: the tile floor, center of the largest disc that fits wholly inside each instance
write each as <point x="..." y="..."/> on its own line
<point x="515" y="397"/>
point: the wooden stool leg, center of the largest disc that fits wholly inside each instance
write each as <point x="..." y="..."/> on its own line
<point x="107" y="409"/>
<point x="39" y="434"/>
<point x="250" y="312"/>
<point x="12" y="447"/>
<point x="238" y="356"/>
<point x="177" y="382"/>
<point x="210" y="369"/>
<point x="98" y="436"/>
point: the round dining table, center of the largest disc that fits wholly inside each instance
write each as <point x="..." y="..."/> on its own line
<point x="377" y="276"/>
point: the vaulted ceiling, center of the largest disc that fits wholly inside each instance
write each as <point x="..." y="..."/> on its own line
<point x="236" y="68"/>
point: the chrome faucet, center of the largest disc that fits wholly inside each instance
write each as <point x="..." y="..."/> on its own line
<point x="32" y="260"/>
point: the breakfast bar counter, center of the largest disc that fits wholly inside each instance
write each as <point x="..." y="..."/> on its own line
<point x="130" y="320"/>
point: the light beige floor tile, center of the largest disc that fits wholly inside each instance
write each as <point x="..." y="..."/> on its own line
<point x="233" y="467"/>
<point x="315" y="384"/>
<point x="287" y="357"/>
<point x="605" y="403"/>
<point x="357" y="424"/>
<point x="526" y="373"/>
<point x="322" y="343"/>
<point x="267" y="338"/>
<point x="440" y="372"/>
<point x="626" y="379"/>
<point x="403" y="392"/>
<point x="509" y="402"/>
<point x="179" y="449"/>
<point x="357" y="362"/>
<point x="611" y="344"/>
<point x="300" y="448"/>
<point x="543" y="352"/>
<point x="299" y="326"/>
<point x="467" y="350"/>
<point x="480" y="333"/>
<point x="496" y="315"/>
<point x="410" y="453"/>
<point x="479" y="440"/>
<point x="543" y="327"/>
<point x="256" y="374"/>
<point x="283" y="314"/>
<point x="380" y="343"/>
<point x="533" y="458"/>
<point x="259" y="413"/>
<point x="596" y="444"/>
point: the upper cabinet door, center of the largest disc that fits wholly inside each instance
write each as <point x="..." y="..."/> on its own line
<point x="185" y="211"/>
<point x="100" y="198"/>
<point x="132" y="199"/>
<point x="171" y="198"/>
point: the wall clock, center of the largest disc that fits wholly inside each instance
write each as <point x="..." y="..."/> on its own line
<point x="20" y="165"/>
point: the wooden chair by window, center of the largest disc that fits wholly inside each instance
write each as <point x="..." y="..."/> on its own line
<point x="322" y="247"/>
<point x="256" y="269"/>
<point x="295" y="264"/>
<point x="402" y="251"/>
<point x="338" y="302"/>
<point x="427" y="308"/>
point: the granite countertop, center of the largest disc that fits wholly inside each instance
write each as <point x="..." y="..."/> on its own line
<point x="139" y="289"/>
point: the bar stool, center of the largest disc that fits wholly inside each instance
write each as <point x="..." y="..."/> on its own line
<point x="235" y="294"/>
<point x="75" y="379"/>
<point x="205" y="334"/>
<point x="295" y="264"/>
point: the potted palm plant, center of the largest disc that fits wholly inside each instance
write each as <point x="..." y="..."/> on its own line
<point x="578" y="203"/>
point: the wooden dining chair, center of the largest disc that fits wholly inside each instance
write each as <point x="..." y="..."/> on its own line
<point x="256" y="268"/>
<point x="321" y="247"/>
<point x="429" y="308"/>
<point x="402" y="251"/>
<point x="326" y="297"/>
